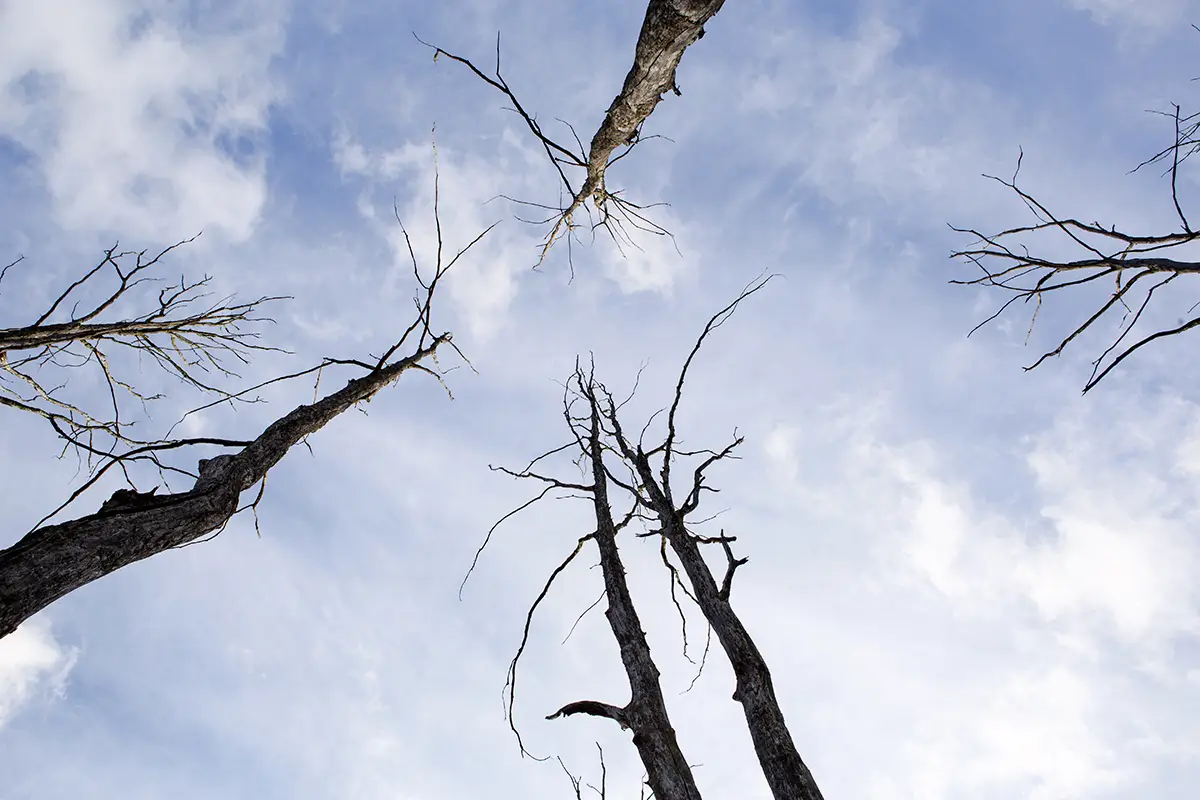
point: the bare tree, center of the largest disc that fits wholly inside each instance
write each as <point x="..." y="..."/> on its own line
<point x="644" y="477"/>
<point x="53" y="560"/>
<point x="669" y="28"/>
<point x="184" y="340"/>
<point x="1017" y="262"/>
<point x="669" y="775"/>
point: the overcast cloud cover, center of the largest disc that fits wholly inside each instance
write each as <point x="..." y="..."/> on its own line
<point x="969" y="581"/>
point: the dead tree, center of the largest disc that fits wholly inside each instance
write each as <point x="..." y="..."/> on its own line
<point x="668" y="773"/>
<point x="53" y="560"/>
<point x="181" y="338"/>
<point x="669" y="28"/>
<point x="644" y="476"/>
<point x="1137" y="265"/>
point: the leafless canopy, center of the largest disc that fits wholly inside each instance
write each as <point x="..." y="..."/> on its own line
<point x="1139" y="266"/>
<point x="181" y="331"/>
<point x="669" y="28"/>
<point x="610" y="458"/>
<point x="53" y="560"/>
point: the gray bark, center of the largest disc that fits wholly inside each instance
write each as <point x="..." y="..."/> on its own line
<point x="787" y="775"/>
<point x="669" y="28"/>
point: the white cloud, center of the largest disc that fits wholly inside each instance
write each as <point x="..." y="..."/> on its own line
<point x="1116" y="555"/>
<point x="1124" y="508"/>
<point x="482" y="285"/>
<point x="141" y="124"/>
<point x="861" y="120"/>
<point x="1080" y="601"/>
<point x="999" y="627"/>
<point x="1031" y="736"/>
<point x="651" y="262"/>
<point x="350" y="156"/>
<point x="31" y="661"/>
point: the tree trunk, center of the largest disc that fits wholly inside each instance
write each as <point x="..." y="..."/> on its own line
<point x="669" y="28"/>
<point x="667" y="770"/>
<point x="54" y="560"/>
<point x="785" y="771"/>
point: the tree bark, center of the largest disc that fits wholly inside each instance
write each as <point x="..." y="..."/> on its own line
<point x="54" y="560"/>
<point x="670" y="27"/>
<point x="786" y="773"/>
<point x="667" y="770"/>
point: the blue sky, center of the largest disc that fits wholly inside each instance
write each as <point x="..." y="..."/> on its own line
<point x="969" y="581"/>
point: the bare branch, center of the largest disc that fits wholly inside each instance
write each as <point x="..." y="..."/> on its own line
<point x="1005" y="262"/>
<point x="53" y="560"/>
<point x="669" y="28"/>
<point x="510" y="685"/>
<point x="487" y="539"/>
<point x="595" y="709"/>
<point x="649" y="490"/>
<point x="184" y="341"/>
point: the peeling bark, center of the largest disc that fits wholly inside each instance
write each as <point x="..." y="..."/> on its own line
<point x="670" y="27"/>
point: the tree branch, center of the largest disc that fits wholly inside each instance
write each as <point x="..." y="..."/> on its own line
<point x="1006" y="263"/>
<point x="669" y="28"/>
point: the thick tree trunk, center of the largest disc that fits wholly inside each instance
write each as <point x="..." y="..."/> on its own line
<point x="667" y="770"/>
<point x="785" y="771"/>
<point x="669" y="28"/>
<point x="54" y="560"/>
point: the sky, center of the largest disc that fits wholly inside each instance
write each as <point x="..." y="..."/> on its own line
<point x="969" y="580"/>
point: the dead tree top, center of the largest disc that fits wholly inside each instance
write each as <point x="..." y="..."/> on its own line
<point x="669" y="28"/>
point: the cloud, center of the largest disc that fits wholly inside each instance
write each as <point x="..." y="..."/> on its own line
<point x="1124" y="508"/>
<point x="864" y="124"/>
<point x="1146" y="13"/>
<point x="1112" y="554"/>
<point x="483" y="284"/>
<point x="139" y="121"/>
<point x="31" y="661"/>
<point x="1033" y="735"/>
<point x="964" y="632"/>
<point x="1066" y="592"/>
<point x="1104" y="543"/>
<point x="650" y="262"/>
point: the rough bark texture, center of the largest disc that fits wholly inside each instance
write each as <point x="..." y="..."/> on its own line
<point x="57" y="559"/>
<point x="670" y="27"/>
<point x="667" y="770"/>
<point x="787" y="775"/>
<point x="785" y="771"/>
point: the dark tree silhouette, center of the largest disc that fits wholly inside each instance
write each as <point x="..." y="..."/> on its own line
<point x="643" y="476"/>
<point x="1017" y="261"/>
<point x="53" y="560"/>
